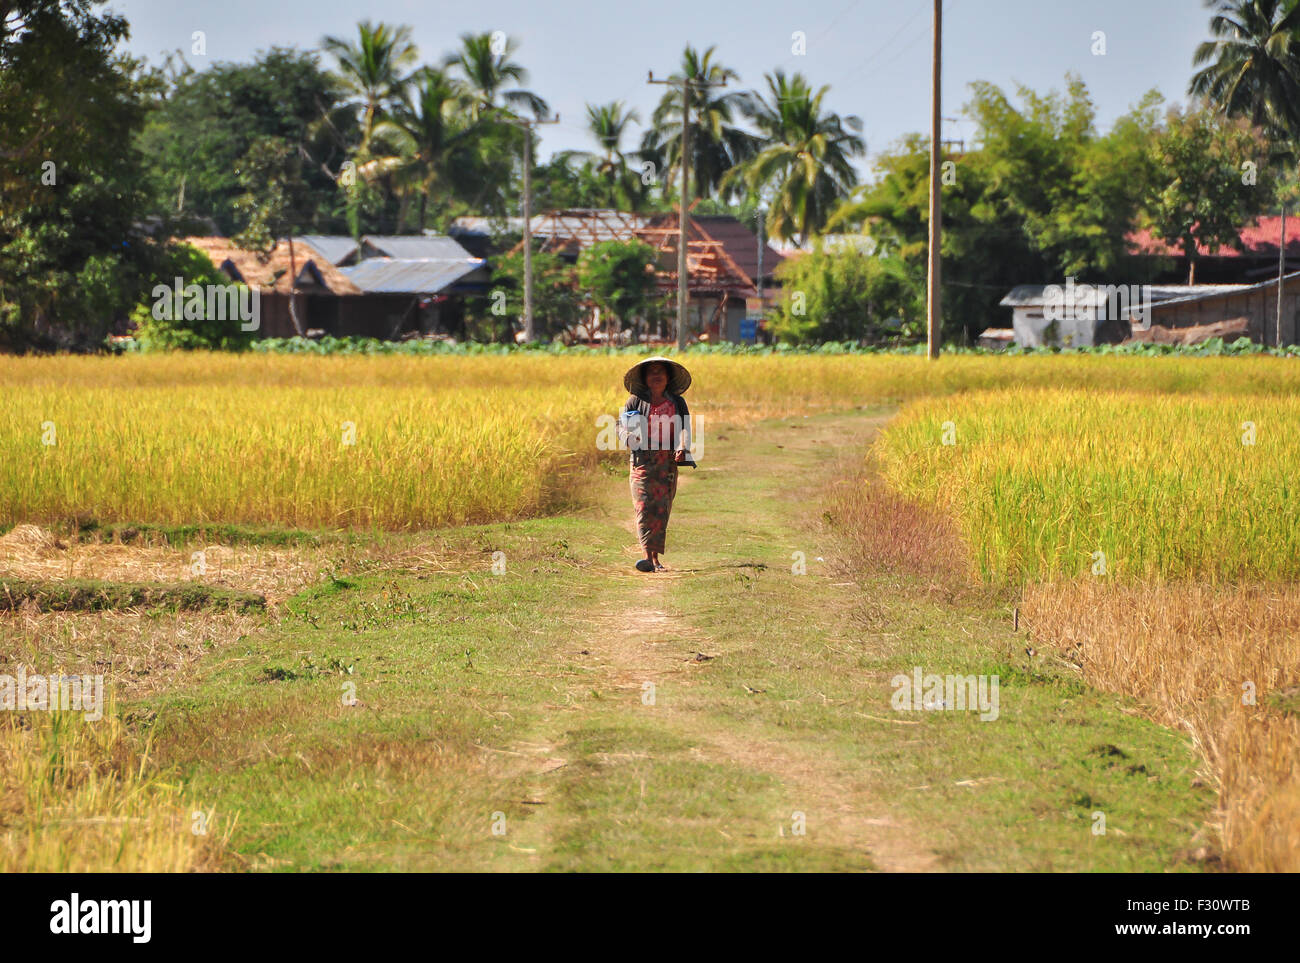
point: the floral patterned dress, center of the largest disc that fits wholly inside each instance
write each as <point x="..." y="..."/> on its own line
<point x="654" y="484"/>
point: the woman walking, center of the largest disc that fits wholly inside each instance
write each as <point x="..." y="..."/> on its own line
<point x="656" y="426"/>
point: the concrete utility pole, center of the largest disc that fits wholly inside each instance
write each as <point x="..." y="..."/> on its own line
<point x="530" y="330"/>
<point x="1281" y="273"/>
<point x="685" y="166"/>
<point x="934" y="320"/>
<point x="686" y="83"/>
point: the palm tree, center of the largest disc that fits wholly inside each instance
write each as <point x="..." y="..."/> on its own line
<point x="805" y="162"/>
<point x="370" y="71"/>
<point x="1252" y="67"/>
<point x="607" y="124"/>
<point x="425" y="141"/>
<point x="717" y="145"/>
<point x="486" y="73"/>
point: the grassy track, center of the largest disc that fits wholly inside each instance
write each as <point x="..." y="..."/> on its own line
<point x="520" y="703"/>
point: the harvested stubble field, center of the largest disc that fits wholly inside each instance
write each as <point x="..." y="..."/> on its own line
<point x="1055" y="459"/>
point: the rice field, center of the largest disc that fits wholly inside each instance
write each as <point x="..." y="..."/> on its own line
<point x="402" y="443"/>
<point x="1145" y="509"/>
<point x="78" y="797"/>
<point x="1067" y="482"/>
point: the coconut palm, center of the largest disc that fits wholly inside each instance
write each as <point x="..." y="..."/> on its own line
<point x="717" y="144"/>
<point x="486" y="72"/>
<point x="425" y="142"/>
<point x="612" y="166"/>
<point x="1252" y="67"/>
<point x="371" y="70"/>
<point x="805" y="161"/>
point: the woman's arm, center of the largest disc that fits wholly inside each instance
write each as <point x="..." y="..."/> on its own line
<point x="683" y="446"/>
<point x="631" y="424"/>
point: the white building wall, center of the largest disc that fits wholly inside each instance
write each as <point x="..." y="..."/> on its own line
<point x="1031" y="328"/>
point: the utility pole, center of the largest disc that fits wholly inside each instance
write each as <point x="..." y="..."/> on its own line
<point x="934" y="321"/>
<point x="1281" y="273"/>
<point x="686" y="83"/>
<point x="530" y="332"/>
<point x="685" y="166"/>
<point x="759" y="216"/>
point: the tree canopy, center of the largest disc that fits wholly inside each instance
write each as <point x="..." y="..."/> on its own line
<point x="104" y="158"/>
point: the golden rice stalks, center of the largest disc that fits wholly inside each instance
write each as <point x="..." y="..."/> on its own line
<point x="75" y="797"/>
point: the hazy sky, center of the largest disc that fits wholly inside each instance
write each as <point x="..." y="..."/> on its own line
<point x="875" y="54"/>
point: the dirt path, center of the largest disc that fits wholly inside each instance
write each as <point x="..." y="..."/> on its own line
<point x="649" y="654"/>
<point x="731" y="714"/>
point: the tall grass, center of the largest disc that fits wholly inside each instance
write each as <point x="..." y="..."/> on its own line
<point x="1068" y="482"/>
<point x="77" y="796"/>
<point x="438" y="440"/>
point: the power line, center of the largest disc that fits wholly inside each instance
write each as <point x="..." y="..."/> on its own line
<point x="829" y="27"/>
<point x="866" y="61"/>
<point x="868" y="68"/>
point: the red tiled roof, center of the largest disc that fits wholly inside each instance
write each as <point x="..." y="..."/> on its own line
<point x="1258" y="240"/>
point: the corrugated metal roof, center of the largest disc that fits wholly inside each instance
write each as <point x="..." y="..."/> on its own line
<point x="339" y="247"/>
<point x="1201" y="292"/>
<point x="415" y="246"/>
<point x="589" y="225"/>
<point x="271" y="272"/>
<point x="381" y="275"/>
<point x="469" y="224"/>
<point x="1031" y="295"/>
<point x="336" y="247"/>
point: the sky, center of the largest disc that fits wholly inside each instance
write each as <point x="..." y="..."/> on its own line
<point x="874" y="54"/>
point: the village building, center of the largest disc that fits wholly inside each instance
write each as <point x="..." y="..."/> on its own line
<point x="418" y="282"/>
<point x="1236" y="296"/>
<point x="381" y="288"/>
<point x="724" y="275"/>
<point x="1241" y="310"/>
<point x="1084" y="315"/>
<point x="323" y="297"/>
<point x="1161" y="261"/>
